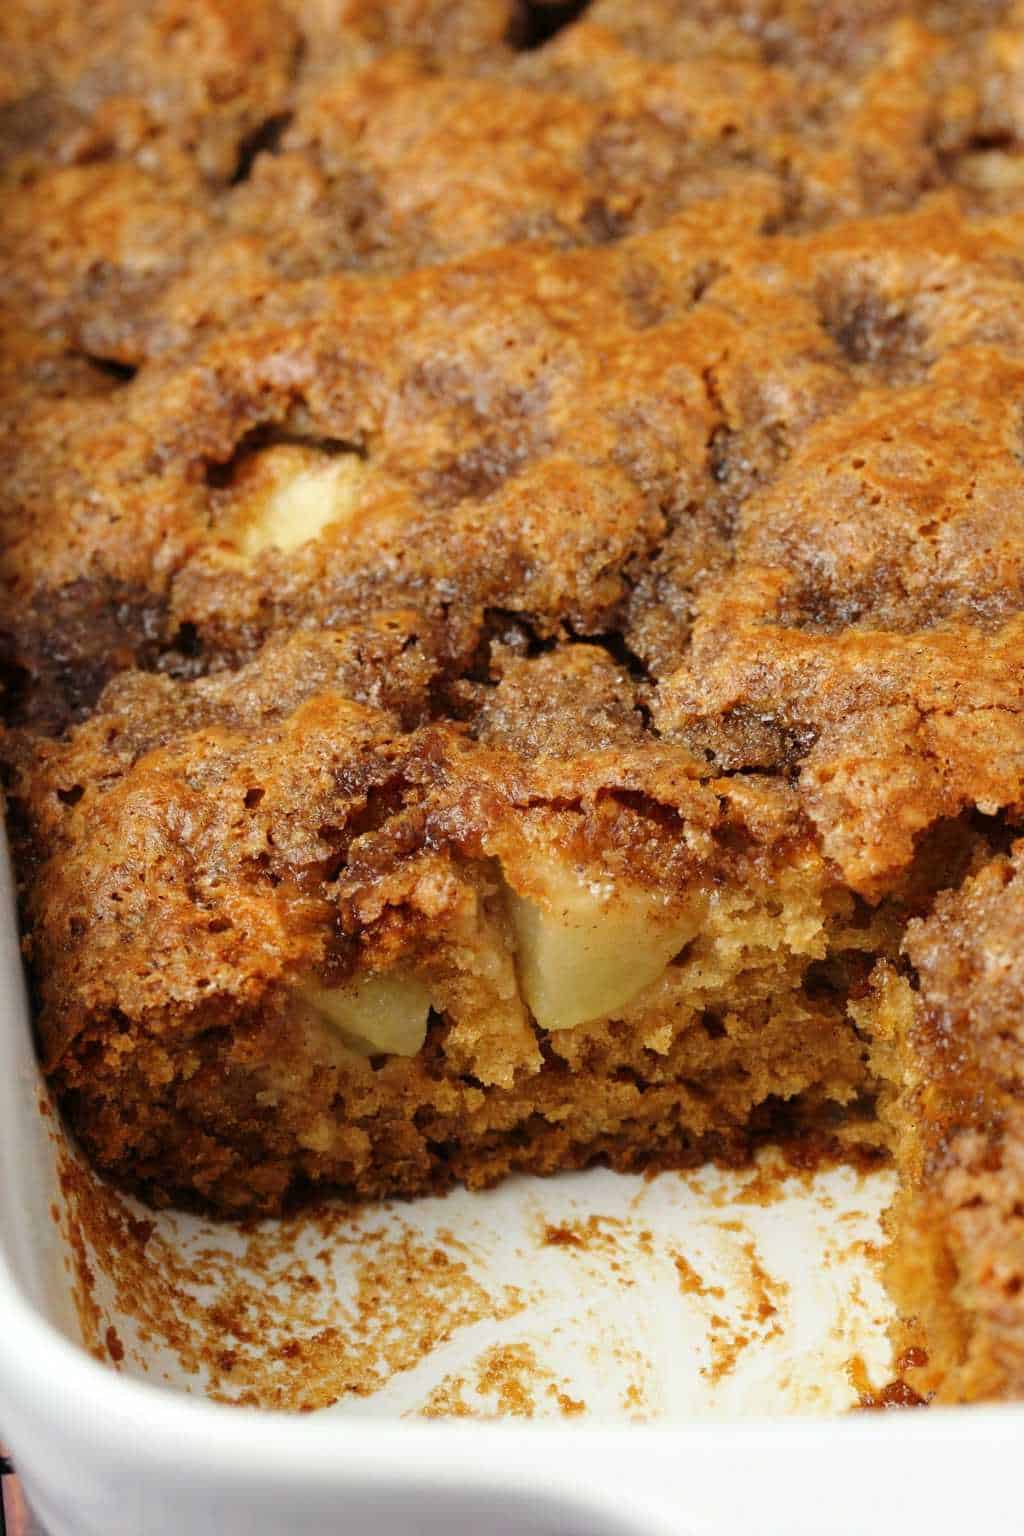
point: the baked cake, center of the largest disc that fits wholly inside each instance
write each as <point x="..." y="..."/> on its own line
<point x="513" y="598"/>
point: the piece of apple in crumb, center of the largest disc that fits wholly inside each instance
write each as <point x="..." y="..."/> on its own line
<point x="375" y="1015"/>
<point x="587" y="945"/>
<point x="288" y="494"/>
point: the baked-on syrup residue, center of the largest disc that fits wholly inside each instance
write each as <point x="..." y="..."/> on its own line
<point x="897" y="1393"/>
<point x="263" y="1327"/>
<point x="756" y="1299"/>
<point x="507" y="1380"/>
<point x="762" y="1297"/>
<point x="690" y="1283"/>
<point x="272" y="1319"/>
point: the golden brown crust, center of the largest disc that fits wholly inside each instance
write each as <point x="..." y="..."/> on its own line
<point x="651" y="381"/>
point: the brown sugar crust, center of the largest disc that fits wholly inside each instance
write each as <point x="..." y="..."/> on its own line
<point x="650" y="390"/>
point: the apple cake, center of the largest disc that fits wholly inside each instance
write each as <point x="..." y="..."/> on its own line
<point x="513" y="599"/>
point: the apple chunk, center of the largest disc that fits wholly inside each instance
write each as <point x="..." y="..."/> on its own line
<point x="383" y="1015"/>
<point x="290" y="494"/>
<point x="586" y="947"/>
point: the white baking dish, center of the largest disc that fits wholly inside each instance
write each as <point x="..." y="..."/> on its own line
<point x="110" y="1451"/>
